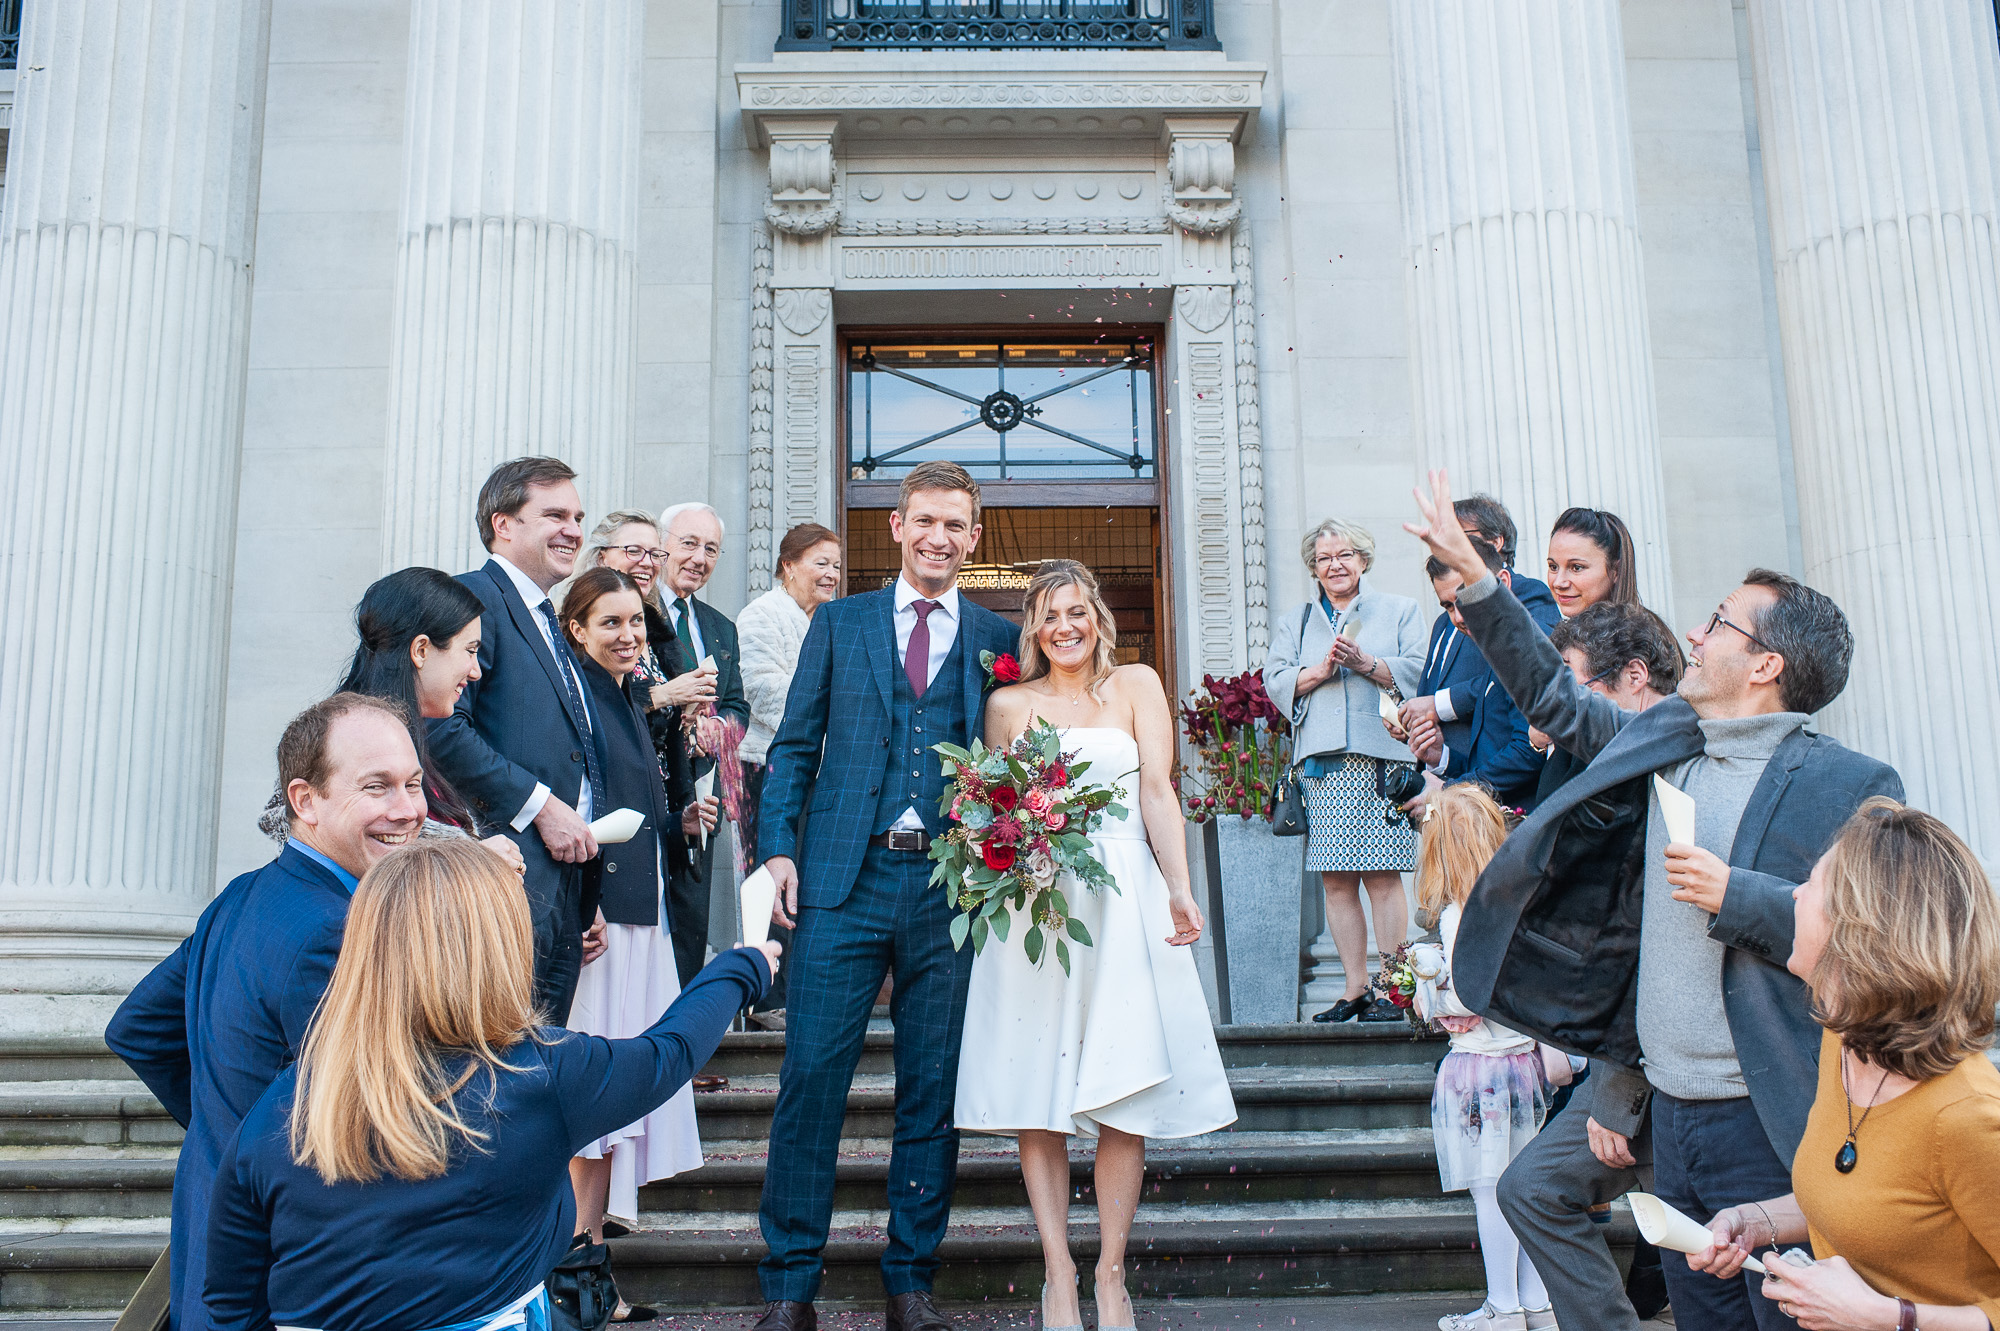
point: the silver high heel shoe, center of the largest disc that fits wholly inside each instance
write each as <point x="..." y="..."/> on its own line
<point x="1132" y="1313"/>
<point x="1048" y="1324"/>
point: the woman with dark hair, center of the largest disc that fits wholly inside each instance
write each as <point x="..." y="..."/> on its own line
<point x="620" y="992"/>
<point x="419" y="647"/>
<point x="1591" y="560"/>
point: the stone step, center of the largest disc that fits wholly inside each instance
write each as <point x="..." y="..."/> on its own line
<point x="84" y="1183"/>
<point x="88" y="1112"/>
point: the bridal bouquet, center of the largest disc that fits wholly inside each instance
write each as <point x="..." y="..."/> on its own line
<point x="1022" y="819"/>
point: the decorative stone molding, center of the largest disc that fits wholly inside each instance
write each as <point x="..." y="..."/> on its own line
<point x="1205" y="453"/>
<point x="1203" y="307"/>
<point x="1250" y="454"/>
<point x="805" y="180"/>
<point x="802" y="309"/>
<point x="1200" y="193"/>
<point x="805" y="405"/>
<point x="1005" y="226"/>
<point x="1057" y="93"/>
<point x="761" y="447"/>
<point x="940" y="263"/>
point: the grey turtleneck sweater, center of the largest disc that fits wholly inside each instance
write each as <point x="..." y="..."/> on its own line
<point x="1683" y="1029"/>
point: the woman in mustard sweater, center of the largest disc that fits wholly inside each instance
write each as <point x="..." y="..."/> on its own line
<point x="1897" y="1182"/>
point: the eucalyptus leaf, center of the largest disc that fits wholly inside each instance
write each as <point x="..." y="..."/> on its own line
<point x="959" y="925"/>
<point x="1078" y="932"/>
<point x="1031" y="943"/>
<point x="1001" y="923"/>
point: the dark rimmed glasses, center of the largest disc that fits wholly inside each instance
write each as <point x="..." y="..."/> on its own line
<point x="635" y="553"/>
<point x="1717" y="619"/>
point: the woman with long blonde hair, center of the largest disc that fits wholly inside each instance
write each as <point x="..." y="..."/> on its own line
<point x="1117" y="1046"/>
<point x="411" y="1169"/>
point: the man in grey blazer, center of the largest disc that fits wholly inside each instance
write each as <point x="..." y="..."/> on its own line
<point x="1661" y="959"/>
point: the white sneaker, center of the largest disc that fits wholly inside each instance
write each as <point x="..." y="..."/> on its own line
<point x="1487" y="1318"/>
<point x="1542" y="1319"/>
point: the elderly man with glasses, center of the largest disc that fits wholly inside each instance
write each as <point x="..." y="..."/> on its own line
<point x="1663" y="957"/>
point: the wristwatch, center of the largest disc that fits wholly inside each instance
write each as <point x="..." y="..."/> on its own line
<point x="1906" y="1315"/>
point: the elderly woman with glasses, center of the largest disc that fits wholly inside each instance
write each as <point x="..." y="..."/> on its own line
<point x="1333" y="658"/>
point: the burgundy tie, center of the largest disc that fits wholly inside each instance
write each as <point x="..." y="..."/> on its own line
<point x="917" y="657"/>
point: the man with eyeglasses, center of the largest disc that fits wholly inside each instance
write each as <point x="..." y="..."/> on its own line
<point x="691" y="535"/>
<point x="1664" y="959"/>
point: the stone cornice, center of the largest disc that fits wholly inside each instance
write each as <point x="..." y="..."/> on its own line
<point x="1008" y="93"/>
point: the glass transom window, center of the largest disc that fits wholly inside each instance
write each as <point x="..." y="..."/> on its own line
<point x="1033" y="409"/>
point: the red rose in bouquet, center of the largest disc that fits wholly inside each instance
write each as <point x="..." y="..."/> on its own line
<point x="1056" y="776"/>
<point x="998" y="858"/>
<point x="1004" y="798"/>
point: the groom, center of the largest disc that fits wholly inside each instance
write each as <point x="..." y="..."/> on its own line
<point x="882" y="677"/>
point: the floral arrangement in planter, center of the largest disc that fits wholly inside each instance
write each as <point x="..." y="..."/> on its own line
<point x="1243" y="742"/>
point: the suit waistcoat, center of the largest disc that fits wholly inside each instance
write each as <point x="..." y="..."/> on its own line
<point x="913" y="774"/>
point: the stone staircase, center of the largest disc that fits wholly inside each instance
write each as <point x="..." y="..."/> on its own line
<point x="1326" y="1185"/>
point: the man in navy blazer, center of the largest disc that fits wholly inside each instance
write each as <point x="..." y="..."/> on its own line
<point x="1473" y="732"/>
<point x="881" y="678"/>
<point x="215" y="1023"/>
<point x="519" y="744"/>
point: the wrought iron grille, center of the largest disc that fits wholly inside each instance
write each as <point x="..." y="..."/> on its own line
<point x="10" y="32"/>
<point x="1032" y="409"/>
<point x="857" y="25"/>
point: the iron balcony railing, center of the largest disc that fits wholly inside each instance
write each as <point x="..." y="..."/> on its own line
<point x="10" y="32"/>
<point x="940" y="25"/>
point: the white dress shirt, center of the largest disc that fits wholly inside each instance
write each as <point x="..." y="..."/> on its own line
<point x="1445" y="711"/>
<point x="943" y="624"/>
<point x="534" y="596"/>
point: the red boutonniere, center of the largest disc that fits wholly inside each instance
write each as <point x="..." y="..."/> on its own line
<point x="1001" y="668"/>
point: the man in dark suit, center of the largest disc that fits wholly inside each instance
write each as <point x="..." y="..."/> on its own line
<point x="519" y="744"/>
<point x="215" y="1023"/>
<point x="1489" y="736"/>
<point x="692" y="535"/>
<point x="882" y="677"/>
<point x="1596" y="931"/>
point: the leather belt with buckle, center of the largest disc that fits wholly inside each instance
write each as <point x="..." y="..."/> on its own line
<point x="901" y="838"/>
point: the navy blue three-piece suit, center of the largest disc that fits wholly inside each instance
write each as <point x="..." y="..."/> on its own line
<point x="1488" y="741"/>
<point x="853" y="753"/>
<point x="215" y="1023"/>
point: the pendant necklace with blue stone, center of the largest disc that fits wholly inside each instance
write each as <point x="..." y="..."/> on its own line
<point x="1847" y="1159"/>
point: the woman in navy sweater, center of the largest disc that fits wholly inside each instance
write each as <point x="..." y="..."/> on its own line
<point x="411" y="1170"/>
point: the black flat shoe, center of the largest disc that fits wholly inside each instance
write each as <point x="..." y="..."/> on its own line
<point x="638" y="1312"/>
<point x="613" y="1230"/>
<point x="1382" y="1010"/>
<point x="1345" y="1010"/>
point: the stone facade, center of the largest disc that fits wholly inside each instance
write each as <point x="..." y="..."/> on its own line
<point x="1538" y="247"/>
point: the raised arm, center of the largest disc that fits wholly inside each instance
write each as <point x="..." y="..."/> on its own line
<point x="1159" y="806"/>
<point x="1523" y="659"/>
<point x="149" y="1031"/>
<point x="604" y="1084"/>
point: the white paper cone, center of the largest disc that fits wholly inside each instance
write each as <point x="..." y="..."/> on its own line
<point x="617" y="826"/>
<point x="1664" y="1227"/>
<point x="1676" y="811"/>
<point x="1387" y="707"/>
<point x="757" y="895"/>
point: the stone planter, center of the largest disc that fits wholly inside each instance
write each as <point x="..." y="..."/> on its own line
<point x="1253" y="881"/>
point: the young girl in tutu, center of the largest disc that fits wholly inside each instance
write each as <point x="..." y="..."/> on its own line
<point x="1491" y="1094"/>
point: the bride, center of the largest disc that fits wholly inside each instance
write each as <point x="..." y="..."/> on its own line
<point x="1120" y="1048"/>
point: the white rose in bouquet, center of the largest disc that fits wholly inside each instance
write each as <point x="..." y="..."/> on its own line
<point x="1041" y="868"/>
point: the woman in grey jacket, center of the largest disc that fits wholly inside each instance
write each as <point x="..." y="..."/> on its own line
<point x="1332" y="661"/>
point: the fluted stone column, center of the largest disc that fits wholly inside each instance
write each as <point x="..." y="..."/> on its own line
<point x="517" y="273"/>
<point x="1881" y="129"/>
<point x="1529" y="345"/>
<point x="125" y="246"/>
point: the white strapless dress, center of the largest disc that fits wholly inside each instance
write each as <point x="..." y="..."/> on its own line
<point x="1124" y="1039"/>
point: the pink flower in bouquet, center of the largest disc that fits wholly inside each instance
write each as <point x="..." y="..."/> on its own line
<point x="1007" y="830"/>
<point x="1038" y="801"/>
<point x="1055" y="820"/>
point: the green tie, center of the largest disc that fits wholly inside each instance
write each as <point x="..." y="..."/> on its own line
<point x="684" y="629"/>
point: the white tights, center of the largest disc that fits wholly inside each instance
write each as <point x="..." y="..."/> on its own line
<point x="1511" y="1280"/>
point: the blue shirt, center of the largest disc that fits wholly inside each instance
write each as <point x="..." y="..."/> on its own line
<point x="285" y="1248"/>
<point x="347" y="880"/>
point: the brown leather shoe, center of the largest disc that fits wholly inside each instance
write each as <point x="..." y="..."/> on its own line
<point x="915" y="1312"/>
<point x="787" y="1315"/>
<point x="709" y="1082"/>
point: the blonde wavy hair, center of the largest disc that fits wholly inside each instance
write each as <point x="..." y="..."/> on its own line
<point x="1463" y="828"/>
<point x="434" y="984"/>
<point x="1052" y="577"/>
<point x="1911" y="971"/>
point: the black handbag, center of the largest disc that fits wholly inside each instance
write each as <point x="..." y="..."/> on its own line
<point x="582" y="1296"/>
<point x="1288" y="808"/>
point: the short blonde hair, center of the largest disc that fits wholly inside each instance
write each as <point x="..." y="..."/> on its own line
<point x="1353" y="533"/>
<point x="435" y="982"/>
<point x="1911" y="971"/>
<point x="614" y="522"/>
<point x="1050" y="578"/>
<point x="1462" y="830"/>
